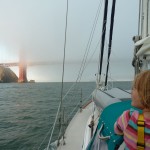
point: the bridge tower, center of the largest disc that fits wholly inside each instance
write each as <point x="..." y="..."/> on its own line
<point x="22" y="69"/>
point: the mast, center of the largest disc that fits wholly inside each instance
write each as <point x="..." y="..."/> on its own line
<point x="110" y="38"/>
<point x="141" y="60"/>
<point x="145" y="18"/>
<point x="103" y="38"/>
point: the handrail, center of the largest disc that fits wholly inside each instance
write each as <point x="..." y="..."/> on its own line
<point x="102" y="137"/>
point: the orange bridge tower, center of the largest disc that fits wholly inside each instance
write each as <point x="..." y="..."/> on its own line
<point x="22" y="69"/>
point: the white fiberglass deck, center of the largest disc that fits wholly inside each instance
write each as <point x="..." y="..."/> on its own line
<point x="75" y="131"/>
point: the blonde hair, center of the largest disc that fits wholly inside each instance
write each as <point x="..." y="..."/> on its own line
<point x="142" y="85"/>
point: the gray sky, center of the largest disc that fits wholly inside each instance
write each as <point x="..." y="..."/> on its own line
<point x="38" y="28"/>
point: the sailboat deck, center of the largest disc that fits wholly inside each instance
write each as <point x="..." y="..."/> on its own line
<point x="75" y="131"/>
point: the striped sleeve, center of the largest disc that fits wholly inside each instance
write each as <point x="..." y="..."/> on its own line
<point x="122" y="122"/>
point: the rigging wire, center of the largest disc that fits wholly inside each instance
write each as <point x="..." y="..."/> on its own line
<point x="74" y="84"/>
<point x="110" y="38"/>
<point x="64" y="56"/>
<point x="81" y="68"/>
<point x="88" y="46"/>
<point x="89" y="43"/>
<point x="83" y="64"/>
<point x="61" y="102"/>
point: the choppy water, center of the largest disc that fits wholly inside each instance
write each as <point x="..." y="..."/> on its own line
<point x="27" y="111"/>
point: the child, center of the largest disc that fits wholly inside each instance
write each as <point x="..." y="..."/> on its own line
<point x="127" y="123"/>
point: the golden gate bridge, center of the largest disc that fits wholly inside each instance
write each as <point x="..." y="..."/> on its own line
<point x="23" y="68"/>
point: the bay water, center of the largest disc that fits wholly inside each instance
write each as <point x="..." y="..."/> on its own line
<point x="28" y="111"/>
